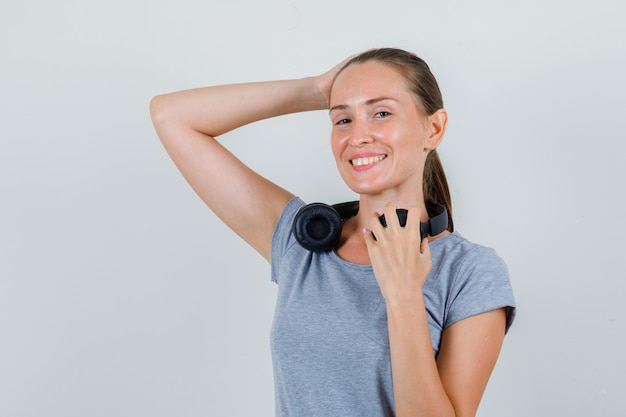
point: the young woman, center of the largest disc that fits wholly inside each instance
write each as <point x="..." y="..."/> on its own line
<point x="385" y="323"/>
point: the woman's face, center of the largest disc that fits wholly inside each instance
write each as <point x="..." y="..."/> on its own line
<point x="379" y="138"/>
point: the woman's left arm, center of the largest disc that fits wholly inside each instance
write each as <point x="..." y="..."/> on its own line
<point x="468" y="353"/>
<point x="452" y="384"/>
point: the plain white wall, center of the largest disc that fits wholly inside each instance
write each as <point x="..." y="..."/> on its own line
<point x="122" y="295"/>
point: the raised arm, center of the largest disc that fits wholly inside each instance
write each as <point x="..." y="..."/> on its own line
<point x="188" y="122"/>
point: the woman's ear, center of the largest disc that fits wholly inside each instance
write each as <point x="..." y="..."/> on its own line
<point x="437" y="123"/>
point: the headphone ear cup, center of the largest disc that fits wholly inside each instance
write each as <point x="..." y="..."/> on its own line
<point x="317" y="227"/>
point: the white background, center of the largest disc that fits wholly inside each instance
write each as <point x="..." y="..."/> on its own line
<point x="121" y="294"/>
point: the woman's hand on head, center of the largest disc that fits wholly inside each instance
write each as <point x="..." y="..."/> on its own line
<point x="400" y="259"/>
<point x="325" y="81"/>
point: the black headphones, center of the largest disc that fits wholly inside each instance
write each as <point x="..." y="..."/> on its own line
<point x="317" y="226"/>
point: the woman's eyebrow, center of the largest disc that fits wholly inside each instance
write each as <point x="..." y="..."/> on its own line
<point x="367" y="103"/>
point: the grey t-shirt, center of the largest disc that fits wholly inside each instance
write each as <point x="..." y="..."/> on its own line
<point x="329" y="340"/>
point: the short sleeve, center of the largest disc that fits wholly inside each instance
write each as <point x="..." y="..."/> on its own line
<point x="283" y="238"/>
<point x="482" y="284"/>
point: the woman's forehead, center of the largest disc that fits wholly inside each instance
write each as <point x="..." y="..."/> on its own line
<point x="367" y="81"/>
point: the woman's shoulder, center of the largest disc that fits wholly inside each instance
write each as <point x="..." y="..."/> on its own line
<point x="282" y="238"/>
<point x="473" y="275"/>
<point x="458" y="245"/>
<point x="283" y="228"/>
<point x="461" y="256"/>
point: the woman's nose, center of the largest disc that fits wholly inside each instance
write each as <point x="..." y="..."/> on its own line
<point x="360" y="134"/>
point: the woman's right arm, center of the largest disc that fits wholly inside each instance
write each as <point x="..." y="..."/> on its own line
<point x="188" y="122"/>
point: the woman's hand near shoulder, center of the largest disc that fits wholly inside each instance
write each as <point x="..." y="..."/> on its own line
<point x="187" y="123"/>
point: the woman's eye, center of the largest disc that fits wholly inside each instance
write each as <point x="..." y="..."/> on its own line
<point x="382" y="114"/>
<point x="342" y="121"/>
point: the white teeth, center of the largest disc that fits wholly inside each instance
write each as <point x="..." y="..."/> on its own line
<point x="366" y="161"/>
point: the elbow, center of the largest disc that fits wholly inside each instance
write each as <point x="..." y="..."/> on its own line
<point x="165" y="117"/>
<point x="165" y="120"/>
<point x="158" y="110"/>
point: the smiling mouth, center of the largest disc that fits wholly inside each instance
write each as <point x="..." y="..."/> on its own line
<point x="367" y="160"/>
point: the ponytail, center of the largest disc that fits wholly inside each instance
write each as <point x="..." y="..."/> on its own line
<point x="435" y="186"/>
